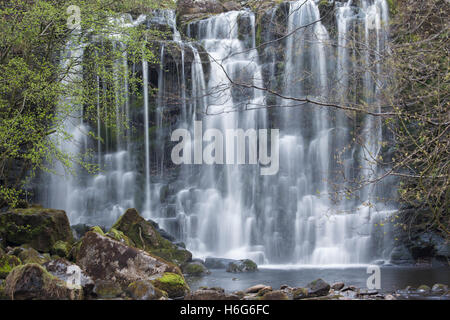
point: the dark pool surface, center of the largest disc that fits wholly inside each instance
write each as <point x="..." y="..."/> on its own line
<point x="392" y="277"/>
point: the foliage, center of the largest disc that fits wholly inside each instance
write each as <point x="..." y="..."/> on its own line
<point x="46" y="88"/>
<point x="419" y="95"/>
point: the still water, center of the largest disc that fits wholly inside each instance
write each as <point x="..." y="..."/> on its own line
<point x="392" y="277"/>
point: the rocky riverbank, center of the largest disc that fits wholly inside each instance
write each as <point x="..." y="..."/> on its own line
<point x="43" y="257"/>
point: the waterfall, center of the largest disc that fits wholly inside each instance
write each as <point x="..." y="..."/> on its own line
<point x="210" y="78"/>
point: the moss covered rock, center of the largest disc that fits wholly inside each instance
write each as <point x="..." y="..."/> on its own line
<point x="195" y="269"/>
<point x="245" y="265"/>
<point x="120" y="236"/>
<point x="144" y="236"/>
<point x="7" y="263"/>
<point x="318" y="288"/>
<point x="61" y="249"/>
<point x="40" y="228"/>
<point x="104" y="258"/>
<point x="173" y="284"/>
<point x="32" y="281"/>
<point x="300" y="293"/>
<point x="98" y="230"/>
<point x="145" y="290"/>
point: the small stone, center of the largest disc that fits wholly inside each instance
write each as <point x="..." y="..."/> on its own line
<point x="439" y="288"/>
<point x="337" y="286"/>
<point x="300" y="293"/>
<point x="390" y="297"/>
<point x="423" y="289"/>
<point x="255" y="288"/>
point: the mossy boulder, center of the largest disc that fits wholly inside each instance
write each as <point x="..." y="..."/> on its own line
<point x="245" y="265"/>
<point x="7" y="263"/>
<point x="104" y="258"/>
<point x="40" y="228"/>
<point x="145" y="236"/>
<point x="195" y="269"/>
<point x="32" y="281"/>
<point x="145" y="290"/>
<point x="318" y="288"/>
<point x="61" y="249"/>
<point x="172" y="283"/>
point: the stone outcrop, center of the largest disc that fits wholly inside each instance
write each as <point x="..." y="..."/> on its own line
<point x="104" y="258"/>
<point x="143" y="235"/>
<point x="38" y="227"/>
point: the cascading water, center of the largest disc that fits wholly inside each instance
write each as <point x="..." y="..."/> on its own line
<point x="231" y="210"/>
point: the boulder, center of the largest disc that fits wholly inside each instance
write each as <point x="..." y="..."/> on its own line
<point x="40" y="228"/>
<point x="245" y="265"/>
<point x="32" y="281"/>
<point x="195" y="269"/>
<point x="318" y="288"/>
<point x="423" y="289"/>
<point x="211" y="294"/>
<point x="255" y="288"/>
<point x="7" y="264"/>
<point x="144" y="236"/>
<point x="144" y="290"/>
<point x="275" y="295"/>
<point x="104" y="258"/>
<point x="71" y="274"/>
<point x="172" y="283"/>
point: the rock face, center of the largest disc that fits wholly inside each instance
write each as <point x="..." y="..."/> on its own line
<point x="401" y="255"/>
<point x="106" y="259"/>
<point x="32" y="281"/>
<point x="318" y="288"/>
<point x="246" y="265"/>
<point x="143" y="235"/>
<point x="40" y="228"/>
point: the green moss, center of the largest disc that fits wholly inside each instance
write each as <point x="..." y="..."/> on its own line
<point x="250" y="265"/>
<point x="194" y="269"/>
<point x="172" y="283"/>
<point x="61" y="248"/>
<point x="98" y="230"/>
<point x="7" y="264"/>
<point x="120" y="236"/>
<point x="30" y="255"/>
<point x="143" y="235"/>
